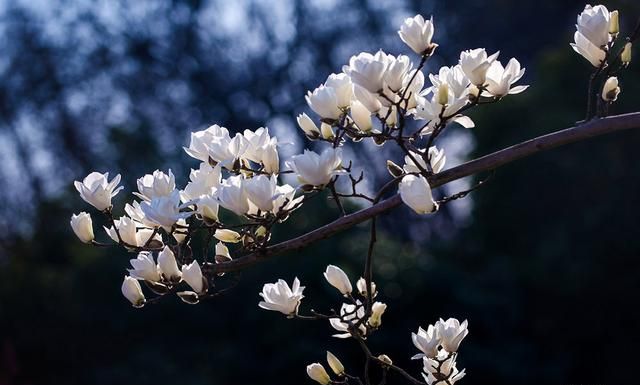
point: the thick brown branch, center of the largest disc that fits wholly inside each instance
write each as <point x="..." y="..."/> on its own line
<point x="489" y="162"/>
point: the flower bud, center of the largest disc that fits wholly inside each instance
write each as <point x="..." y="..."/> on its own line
<point x="317" y="373"/>
<point x="226" y="235"/>
<point x="338" y="279"/>
<point x="610" y="90"/>
<point x="443" y="94"/>
<point x="192" y="275"/>
<point x="327" y="131"/>
<point x="133" y="292"/>
<point x="335" y="364"/>
<point x="394" y="169"/>
<point x="362" y="287"/>
<point x="82" y="226"/>
<point x="386" y="359"/>
<point x="361" y="116"/>
<point x="625" y="56"/>
<point x="377" y="310"/>
<point x="168" y="265"/>
<point x="308" y="126"/>
<point x="614" y="23"/>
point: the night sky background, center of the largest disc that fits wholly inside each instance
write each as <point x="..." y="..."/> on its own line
<point x="543" y="261"/>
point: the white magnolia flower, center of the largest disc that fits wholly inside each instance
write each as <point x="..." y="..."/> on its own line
<point x="280" y="297"/>
<point x="341" y="84"/>
<point x="207" y="207"/>
<point x="317" y="373"/>
<point x="349" y="314"/>
<point x="451" y="332"/>
<point x="377" y="309"/>
<point x="588" y="50"/>
<point x="367" y="70"/>
<point x="324" y="102"/>
<point x="133" y="292"/>
<point x="362" y="287"/>
<point x="442" y="367"/>
<point x="416" y="32"/>
<point x="426" y="341"/>
<point x="500" y="79"/>
<point x="168" y="265"/>
<point x="413" y="85"/>
<point x="430" y="108"/>
<point x="394" y="77"/>
<point x="144" y="267"/>
<point x="155" y="185"/>
<point x="611" y="90"/>
<point x="96" y="189"/>
<point x="335" y="364"/>
<point x="314" y="169"/>
<point x="437" y="159"/>
<point x="285" y="199"/>
<point x="203" y="181"/>
<point x="475" y="63"/>
<point x="232" y="195"/>
<point x="361" y="116"/>
<point x="593" y="23"/>
<point x="263" y="149"/>
<point x="327" y="131"/>
<point x="131" y="232"/>
<point x="227" y="151"/>
<point x="416" y="193"/>
<point x="82" y="226"/>
<point x="134" y="210"/>
<point x="226" y="235"/>
<point x="338" y="279"/>
<point x="192" y="275"/>
<point x="369" y="101"/>
<point x="308" y="126"/>
<point x="261" y="191"/>
<point x="164" y="210"/>
<point x="222" y="251"/>
<point x="200" y="141"/>
<point x="454" y="77"/>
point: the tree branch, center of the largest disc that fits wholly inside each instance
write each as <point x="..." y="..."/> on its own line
<point x="489" y="162"/>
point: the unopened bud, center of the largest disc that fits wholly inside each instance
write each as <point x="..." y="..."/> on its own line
<point x="377" y="310"/>
<point x="625" y="56"/>
<point x="394" y="169"/>
<point x="443" y="94"/>
<point x="226" y="235"/>
<point x="386" y="359"/>
<point x="614" y="23"/>
<point x="610" y="90"/>
<point x="317" y="373"/>
<point x="327" y="131"/>
<point x="335" y="364"/>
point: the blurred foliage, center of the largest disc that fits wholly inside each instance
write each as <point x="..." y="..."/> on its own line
<point x="545" y="269"/>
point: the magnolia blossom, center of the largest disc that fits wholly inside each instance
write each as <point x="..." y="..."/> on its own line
<point x="475" y="63"/>
<point x="611" y="90"/>
<point x="317" y="373"/>
<point x="338" y="279"/>
<point x="426" y="341"/>
<point x="144" y="267"/>
<point x="342" y="87"/>
<point x="592" y="34"/>
<point x="436" y="157"/>
<point x="308" y="126"/>
<point x="416" y="193"/>
<point x="361" y="116"/>
<point x="232" y="195"/>
<point x="131" y="232"/>
<point x="452" y="332"/>
<point x="203" y="181"/>
<point x="222" y="252"/>
<point x="263" y="149"/>
<point x="367" y="70"/>
<point x="215" y="144"/>
<point x="168" y="265"/>
<point x="361" y="284"/>
<point x="155" y="185"/>
<point x="454" y="78"/>
<point x="416" y="32"/>
<point x="431" y="108"/>
<point x="133" y="292"/>
<point x="280" y="297"/>
<point x="335" y="364"/>
<point x="164" y="211"/>
<point x="192" y="275"/>
<point x="349" y="314"/>
<point x="96" y="189"/>
<point x="394" y="76"/>
<point x="500" y="79"/>
<point x="377" y="309"/>
<point x="200" y="141"/>
<point x="82" y="226"/>
<point x="625" y="56"/>
<point x="324" y="102"/>
<point x="443" y="366"/>
<point x="261" y="191"/>
<point x="314" y="169"/>
<point x="369" y="101"/>
<point x="285" y="199"/>
<point x="226" y="235"/>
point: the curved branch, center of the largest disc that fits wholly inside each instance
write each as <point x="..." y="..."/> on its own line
<point x="489" y="162"/>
